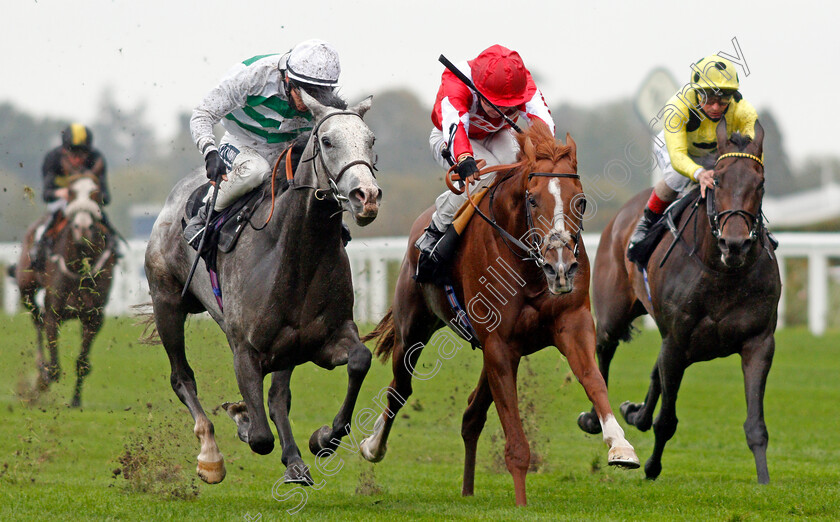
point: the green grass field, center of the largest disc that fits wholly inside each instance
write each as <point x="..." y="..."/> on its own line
<point x="129" y="453"/>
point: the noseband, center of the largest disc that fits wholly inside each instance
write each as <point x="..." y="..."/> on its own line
<point x="333" y="180"/>
<point x="717" y="220"/>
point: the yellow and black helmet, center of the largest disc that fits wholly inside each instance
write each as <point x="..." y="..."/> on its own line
<point x="714" y="73"/>
<point x="76" y="136"/>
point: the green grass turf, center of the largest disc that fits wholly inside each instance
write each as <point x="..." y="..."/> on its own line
<point x="58" y="463"/>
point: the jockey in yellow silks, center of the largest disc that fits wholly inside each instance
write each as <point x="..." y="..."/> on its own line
<point x="687" y="147"/>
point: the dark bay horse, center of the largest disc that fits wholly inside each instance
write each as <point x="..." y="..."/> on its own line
<point x="716" y="295"/>
<point x="516" y="306"/>
<point x="76" y="278"/>
<point x="287" y="291"/>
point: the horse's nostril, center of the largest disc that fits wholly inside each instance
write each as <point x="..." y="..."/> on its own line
<point x="572" y="270"/>
<point x="358" y="194"/>
<point x="549" y="271"/>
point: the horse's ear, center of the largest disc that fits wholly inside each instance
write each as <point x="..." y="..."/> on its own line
<point x="571" y="143"/>
<point x="363" y="106"/>
<point x="758" y="139"/>
<point x="312" y="104"/>
<point x="528" y="150"/>
<point x="722" y="139"/>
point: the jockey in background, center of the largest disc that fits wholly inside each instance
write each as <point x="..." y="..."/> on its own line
<point x="480" y="132"/>
<point x="75" y="156"/>
<point x="690" y="144"/>
<point x="258" y="103"/>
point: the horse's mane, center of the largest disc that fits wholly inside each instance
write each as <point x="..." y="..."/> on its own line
<point x="537" y="143"/>
<point x="326" y="96"/>
<point x="739" y="140"/>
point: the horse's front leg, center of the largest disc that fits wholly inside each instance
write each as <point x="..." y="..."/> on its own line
<point x="50" y="371"/>
<point x="90" y="327"/>
<point x="348" y="349"/>
<point x="501" y="365"/>
<point x="279" y="406"/>
<point x="756" y="358"/>
<point x="249" y="377"/>
<point x="576" y="340"/>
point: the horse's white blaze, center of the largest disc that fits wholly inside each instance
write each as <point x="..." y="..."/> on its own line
<point x="83" y="203"/>
<point x="559" y="218"/>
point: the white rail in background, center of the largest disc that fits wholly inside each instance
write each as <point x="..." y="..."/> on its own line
<point x="372" y="258"/>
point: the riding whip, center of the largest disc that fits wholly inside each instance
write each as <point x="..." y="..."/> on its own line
<point x="461" y="76"/>
<point x="212" y="205"/>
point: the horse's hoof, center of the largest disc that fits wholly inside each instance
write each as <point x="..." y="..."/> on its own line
<point x="623" y="457"/>
<point x="239" y="413"/>
<point x="211" y="472"/>
<point x="652" y="469"/>
<point x="298" y="473"/>
<point x="589" y="423"/>
<point x="369" y="455"/>
<point x="628" y="411"/>
<point x="320" y="440"/>
<point x="76" y="402"/>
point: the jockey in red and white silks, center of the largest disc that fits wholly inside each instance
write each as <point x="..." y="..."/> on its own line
<point x="480" y="132"/>
<point x="500" y="75"/>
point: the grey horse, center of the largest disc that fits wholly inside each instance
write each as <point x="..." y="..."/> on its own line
<point x="287" y="290"/>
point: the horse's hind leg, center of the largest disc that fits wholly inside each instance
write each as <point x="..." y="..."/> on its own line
<point x="640" y="414"/>
<point x="279" y="406"/>
<point x="169" y="320"/>
<point x="473" y="422"/>
<point x="90" y="327"/>
<point x="756" y="358"/>
<point x="358" y="363"/>
<point x="501" y="365"/>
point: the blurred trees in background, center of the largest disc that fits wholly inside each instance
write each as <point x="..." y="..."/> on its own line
<point x="614" y="159"/>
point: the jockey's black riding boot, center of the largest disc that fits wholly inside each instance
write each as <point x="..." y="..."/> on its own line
<point x="345" y="233"/>
<point x="437" y="249"/>
<point x="195" y="227"/>
<point x="649" y="218"/>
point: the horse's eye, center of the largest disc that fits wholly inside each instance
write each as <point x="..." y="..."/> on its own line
<point x="325" y="141"/>
<point x="532" y="201"/>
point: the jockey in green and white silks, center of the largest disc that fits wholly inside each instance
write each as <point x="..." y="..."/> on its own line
<point x="259" y="106"/>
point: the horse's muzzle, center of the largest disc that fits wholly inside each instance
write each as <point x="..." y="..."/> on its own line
<point x="560" y="281"/>
<point x="733" y="251"/>
<point x="364" y="204"/>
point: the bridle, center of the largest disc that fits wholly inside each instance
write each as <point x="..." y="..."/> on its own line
<point x="331" y="179"/>
<point x="717" y="220"/>
<point x="533" y="248"/>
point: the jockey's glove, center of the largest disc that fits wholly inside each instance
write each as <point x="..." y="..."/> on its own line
<point x="215" y="166"/>
<point x="466" y="167"/>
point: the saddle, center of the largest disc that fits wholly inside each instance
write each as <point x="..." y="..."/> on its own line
<point x="225" y="227"/>
<point x="644" y="249"/>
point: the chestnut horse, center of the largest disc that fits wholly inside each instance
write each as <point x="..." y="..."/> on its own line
<point x="76" y="278"/>
<point x="715" y="294"/>
<point x="539" y="200"/>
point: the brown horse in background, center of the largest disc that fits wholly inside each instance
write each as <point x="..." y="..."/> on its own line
<point x="715" y="294"/>
<point x="539" y="200"/>
<point x="76" y="278"/>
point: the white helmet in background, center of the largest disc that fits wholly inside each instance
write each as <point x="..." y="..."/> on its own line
<point x="313" y="62"/>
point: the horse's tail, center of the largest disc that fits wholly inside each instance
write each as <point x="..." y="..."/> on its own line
<point x="146" y="319"/>
<point x="386" y="334"/>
